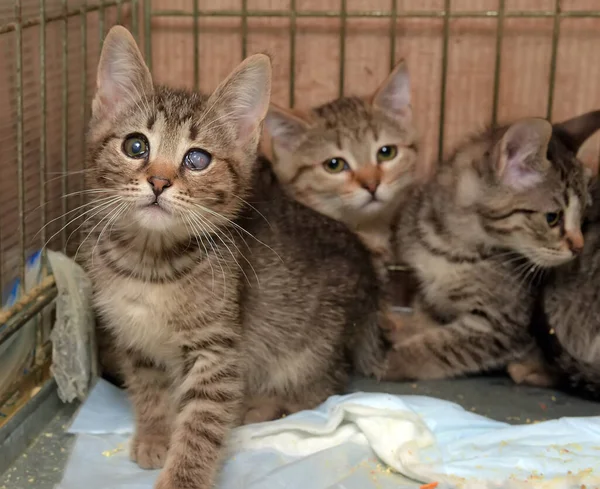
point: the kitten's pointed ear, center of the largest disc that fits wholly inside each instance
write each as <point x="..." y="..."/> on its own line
<point x="122" y="74"/>
<point x="521" y="161"/>
<point x="242" y="100"/>
<point x="285" y="128"/>
<point x="576" y="131"/>
<point x="393" y="95"/>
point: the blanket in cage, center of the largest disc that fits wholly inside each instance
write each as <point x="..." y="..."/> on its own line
<point x="356" y="441"/>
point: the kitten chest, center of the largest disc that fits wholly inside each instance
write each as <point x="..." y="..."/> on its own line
<point x="141" y="315"/>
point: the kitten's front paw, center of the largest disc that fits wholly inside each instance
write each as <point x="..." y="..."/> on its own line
<point x="149" y="451"/>
<point x="396" y="330"/>
<point x="531" y="373"/>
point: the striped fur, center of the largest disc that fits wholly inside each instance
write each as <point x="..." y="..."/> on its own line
<point x="163" y="265"/>
<point x="368" y="193"/>
<point x="230" y="302"/>
<point x="566" y="323"/>
<point x="478" y="239"/>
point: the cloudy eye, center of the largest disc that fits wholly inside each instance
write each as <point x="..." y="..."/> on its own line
<point x="553" y="218"/>
<point x="336" y="165"/>
<point x="136" y="146"/>
<point x="197" y="159"/>
<point x="386" y="153"/>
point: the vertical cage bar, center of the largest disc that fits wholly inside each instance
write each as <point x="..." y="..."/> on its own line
<point x="552" y="74"/>
<point x="101" y="22"/>
<point x="343" y="18"/>
<point x="20" y="142"/>
<point x="196" y="46"/>
<point x="498" y="65"/>
<point x="446" y="34"/>
<point x="43" y="119"/>
<point x="244" y="29"/>
<point x="135" y="14"/>
<point x="84" y="101"/>
<point x="147" y="37"/>
<point x="292" y="53"/>
<point x="64" y="121"/>
<point x="119" y="11"/>
<point x="393" y="29"/>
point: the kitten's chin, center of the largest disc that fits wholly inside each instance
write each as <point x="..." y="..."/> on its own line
<point x="154" y="218"/>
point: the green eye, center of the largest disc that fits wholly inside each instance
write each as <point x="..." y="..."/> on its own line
<point x="553" y="218"/>
<point x="336" y="165"/>
<point x="386" y="153"/>
<point x="136" y="146"/>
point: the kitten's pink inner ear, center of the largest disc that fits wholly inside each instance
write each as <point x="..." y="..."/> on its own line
<point x="522" y="160"/>
<point x="243" y="98"/>
<point x="122" y="74"/>
<point x="284" y="127"/>
<point x="394" y="93"/>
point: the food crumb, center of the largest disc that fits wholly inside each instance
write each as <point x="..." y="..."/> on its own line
<point x="553" y="398"/>
<point x="48" y="435"/>
<point x="31" y="480"/>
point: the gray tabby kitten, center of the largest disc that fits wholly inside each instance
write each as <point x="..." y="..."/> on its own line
<point x="566" y="322"/>
<point x="506" y="206"/>
<point x="213" y="323"/>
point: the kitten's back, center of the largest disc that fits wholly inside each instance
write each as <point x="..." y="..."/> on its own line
<point x="312" y="300"/>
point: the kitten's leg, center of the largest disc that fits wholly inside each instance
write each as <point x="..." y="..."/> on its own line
<point x="209" y="400"/>
<point x="264" y="409"/>
<point x="149" y="389"/>
<point x="532" y="370"/>
<point x="470" y="344"/>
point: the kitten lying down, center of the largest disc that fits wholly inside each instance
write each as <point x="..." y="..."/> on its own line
<point x="223" y="305"/>
<point x="506" y="206"/>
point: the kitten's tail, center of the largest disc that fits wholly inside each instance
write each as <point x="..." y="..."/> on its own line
<point x="575" y="376"/>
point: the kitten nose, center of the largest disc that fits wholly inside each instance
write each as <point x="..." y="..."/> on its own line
<point x="575" y="241"/>
<point x="371" y="186"/>
<point x="158" y="184"/>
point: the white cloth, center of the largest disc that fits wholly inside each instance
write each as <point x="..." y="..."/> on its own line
<point x="356" y="441"/>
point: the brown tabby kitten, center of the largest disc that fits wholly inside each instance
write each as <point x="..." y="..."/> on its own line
<point x="352" y="159"/>
<point x="566" y="322"/>
<point x="505" y="207"/>
<point x="215" y="323"/>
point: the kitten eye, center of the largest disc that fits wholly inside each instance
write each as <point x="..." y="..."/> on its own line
<point x="136" y="146"/>
<point x="336" y="165"/>
<point x="197" y="159"/>
<point x="386" y="153"/>
<point x="553" y="218"/>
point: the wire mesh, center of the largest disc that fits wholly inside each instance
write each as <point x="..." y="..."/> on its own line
<point x="50" y="49"/>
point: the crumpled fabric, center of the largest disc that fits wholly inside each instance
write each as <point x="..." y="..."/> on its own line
<point x="356" y="441"/>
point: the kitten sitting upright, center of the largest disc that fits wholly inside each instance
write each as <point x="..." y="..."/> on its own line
<point x="219" y="313"/>
<point x="351" y="159"/>
<point x="505" y="207"/>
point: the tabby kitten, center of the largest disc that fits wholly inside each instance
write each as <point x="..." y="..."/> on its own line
<point x="566" y="322"/>
<point x="214" y="323"/>
<point x="505" y="207"/>
<point x="352" y="159"/>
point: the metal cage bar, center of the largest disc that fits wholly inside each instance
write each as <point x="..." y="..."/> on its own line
<point x="54" y="86"/>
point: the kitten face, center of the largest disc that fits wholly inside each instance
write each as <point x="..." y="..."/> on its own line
<point x="172" y="160"/>
<point x="535" y="193"/>
<point x="350" y="159"/>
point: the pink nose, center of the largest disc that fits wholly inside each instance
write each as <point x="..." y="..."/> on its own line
<point x="575" y="241"/>
<point x="158" y="184"/>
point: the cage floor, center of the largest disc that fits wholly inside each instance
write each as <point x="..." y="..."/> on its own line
<point x="40" y="467"/>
